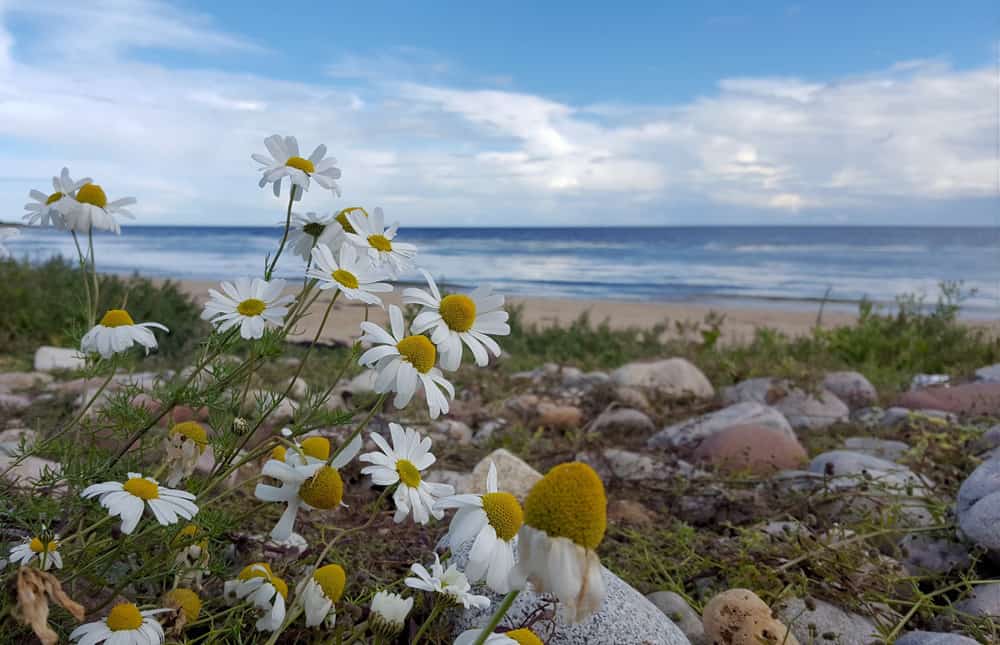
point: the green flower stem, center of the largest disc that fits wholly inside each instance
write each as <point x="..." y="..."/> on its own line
<point x="86" y="281"/>
<point x="284" y="236"/>
<point x="435" y="613"/>
<point x="497" y="616"/>
<point x="361" y="426"/>
<point x="93" y="269"/>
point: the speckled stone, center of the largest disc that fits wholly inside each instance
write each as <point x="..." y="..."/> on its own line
<point x="809" y="626"/>
<point x="627" y="617"/>
<point x="934" y="638"/>
<point x="978" y="505"/>
<point x="984" y="601"/>
<point x="688" y="434"/>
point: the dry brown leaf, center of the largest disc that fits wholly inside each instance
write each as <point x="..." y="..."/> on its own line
<point x="34" y="590"/>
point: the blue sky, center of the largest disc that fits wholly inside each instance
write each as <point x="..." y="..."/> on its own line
<point x="458" y="113"/>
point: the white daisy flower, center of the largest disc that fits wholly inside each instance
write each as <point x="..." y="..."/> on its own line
<point x="251" y="304"/>
<point x="47" y="210"/>
<point x="401" y="362"/>
<point x="128" y="500"/>
<point x="491" y="522"/>
<point x="306" y="481"/>
<point x="457" y="318"/>
<point x="565" y="516"/>
<point x="7" y="233"/>
<point x="320" y="592"/>
<point x="125" y="625"/>
<point x="402" y="463"/>
<point x="313" y="230"/>
<point x="117" y="332"/>
<point x="371" y="235"/>
<point x="92" y="210"/>
<point x="258" y="585"/>
<point x="450" y="582"/>
<point x="355" y="277"/>
<point x="523" y="636"/>
<point x="284" y="161"/>
<point x="388" y="614"/>
<point x="35" y="547"/>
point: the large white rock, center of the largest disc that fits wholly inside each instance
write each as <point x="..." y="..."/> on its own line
<point x="673" y="377"/>
<point x="688" y="434"/>
<point x="515" y="475"/>
<point x="14" y="381"/>
<point x="50" y="359"/>
<point x="808" y="624"/>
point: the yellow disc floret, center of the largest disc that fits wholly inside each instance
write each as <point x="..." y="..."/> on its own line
<point x="504" y="514"/>
<point x="345" y="278"/>
<point x="458" y="312"/>
<point x="193" y="431"/>
<point x="419" y="351"/>
<point x="92" y="194"/>
<point x="53" y="198"/>
<point x="304" y="165"/>
<point x="280" y="585"/>
<point x="380" y="242"/>
<point x="142" y="488"/>
<point x="37" y="546"/>
<point x="251" y="307"/>
<point x="408" y="473"/>
<point x="316" y="447"/>
<point x="346" y="223"/>
<point x="124" y="616"/>
<point x="116" y="318"/>
<point x="324" y="490"/>
<point x="569" y="502"/>
<point x="186" y="600"/>
<point x="263" y="570"/>
<point x="331" y="579"/>
<point x="523" y="636"/>
<point x="279" y="453"/>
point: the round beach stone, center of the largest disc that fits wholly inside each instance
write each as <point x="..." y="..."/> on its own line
<point x="740" y="617"/>
<point x="852" y="388"/>
<point x="673" y="377"/>
<point x="802" y="409"/>
<point x="14" y="381"/>
<point x="688" y="434"/>
<point x="978" y="505"/>
<point x="514" y="474"/>
<point x="559" y="417"/>
<point x="681" y="613"/>
<point x="625" y="420"/>
<point x="984" y="601"/>
<point x="816" y="625"/>
<point x="969" y="399"/>
<point x="757" y="449"/>
<point x="881" y="448"/>
<point x="51" y="359"/>
<point x="934" y="638"/>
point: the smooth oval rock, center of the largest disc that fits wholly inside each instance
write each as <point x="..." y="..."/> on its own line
<point x="984" y="601"/>
<point x="681" y="613"/>
<point x="977" y="505"/>
<point x="826" y="623"/>
<point x="881" y="448"/>
<point x="852" y="388"/>
<point x="740" y="617"/>
<point x="688" y="434"/>
<point x="934" y="638"/>
<point x="14" y="381"/>
<point x="624" y="420"/>
<point x="969" y="399"/>
<point x="805" y="410"/>
<point x="513" y="473"/>
<point x="51" y="359"/>
<point x="756" y="449"/>
<point x="673" y="377"/>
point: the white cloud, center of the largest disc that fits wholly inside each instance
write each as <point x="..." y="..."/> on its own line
<point x="434" y="152"/>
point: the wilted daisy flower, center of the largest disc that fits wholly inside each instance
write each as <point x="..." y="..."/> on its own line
<point x="312" y="230"/>
<point x="92" y="210"/>
<point x="355" y="277"/>
<point x="319" y="593"/>
<point x="257" y="584"/>
<point x="251" y="304"/>
<point x="35" y="547"/>
<point x="451" y="582"/>
<point x="457" y="318"/>
<point x="402" y="463"/>
<point x="523" y="636"/>
<point x="128" y="500"/>
<point x="388" y="614"/>
<point x="306" y="481"/>
<point x="284" y="161"/>
<point x="491" y="522"/>
<point x="192" y="556"/>
<point x="371" y="235"/>
<point x="345" y="224"/>
<point x="48" y="209"/>
<point x="565" y="515"/>
<point x="187" y="603"/>
<point x="117" y="332"/>
<point x="7" y="233"/>
<point x="401" y="362"/>
<point x="185" y="442"/>
<point x="125" y="625"/>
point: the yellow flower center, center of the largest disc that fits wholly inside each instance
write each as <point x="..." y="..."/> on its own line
<point x="142" y="488"/>
<point x="279" y="453"/>
<point x="324" y="490"/>
<point x="92" y="194"/>
<point x="523" y="636"/>
<point x="193" y="431"/>
<point x="251" y="307"/>
<point x="185" y="600"/>
<point x="263" y="570"/>
<point x="185" y="536"/>
<point x="281" y="586"/>
<point x="458" y="312"/>
<point x="124" y="616"/>
<point x="116" y="318"/>
<point x="504" y="513"/>
<point x="53" y="198"/>
<point x="345" y="278"/>
<point x="331" y="579"/>
<point x="304" y="165"/>
<point x="346" y="223"/>
<point x="380" y="242"/>
<point x="569" y="502"/>
<point x="37" y="546"/>
<point x="419" y="351"/>
<point x="316" y="447"/>
<point x="314" y="229"/>
<point x="408" y="473"/>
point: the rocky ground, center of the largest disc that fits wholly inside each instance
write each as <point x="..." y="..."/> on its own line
<point x="764" y="511"/>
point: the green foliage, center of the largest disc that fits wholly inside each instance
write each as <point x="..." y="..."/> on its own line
<point x="43" y="305"/>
